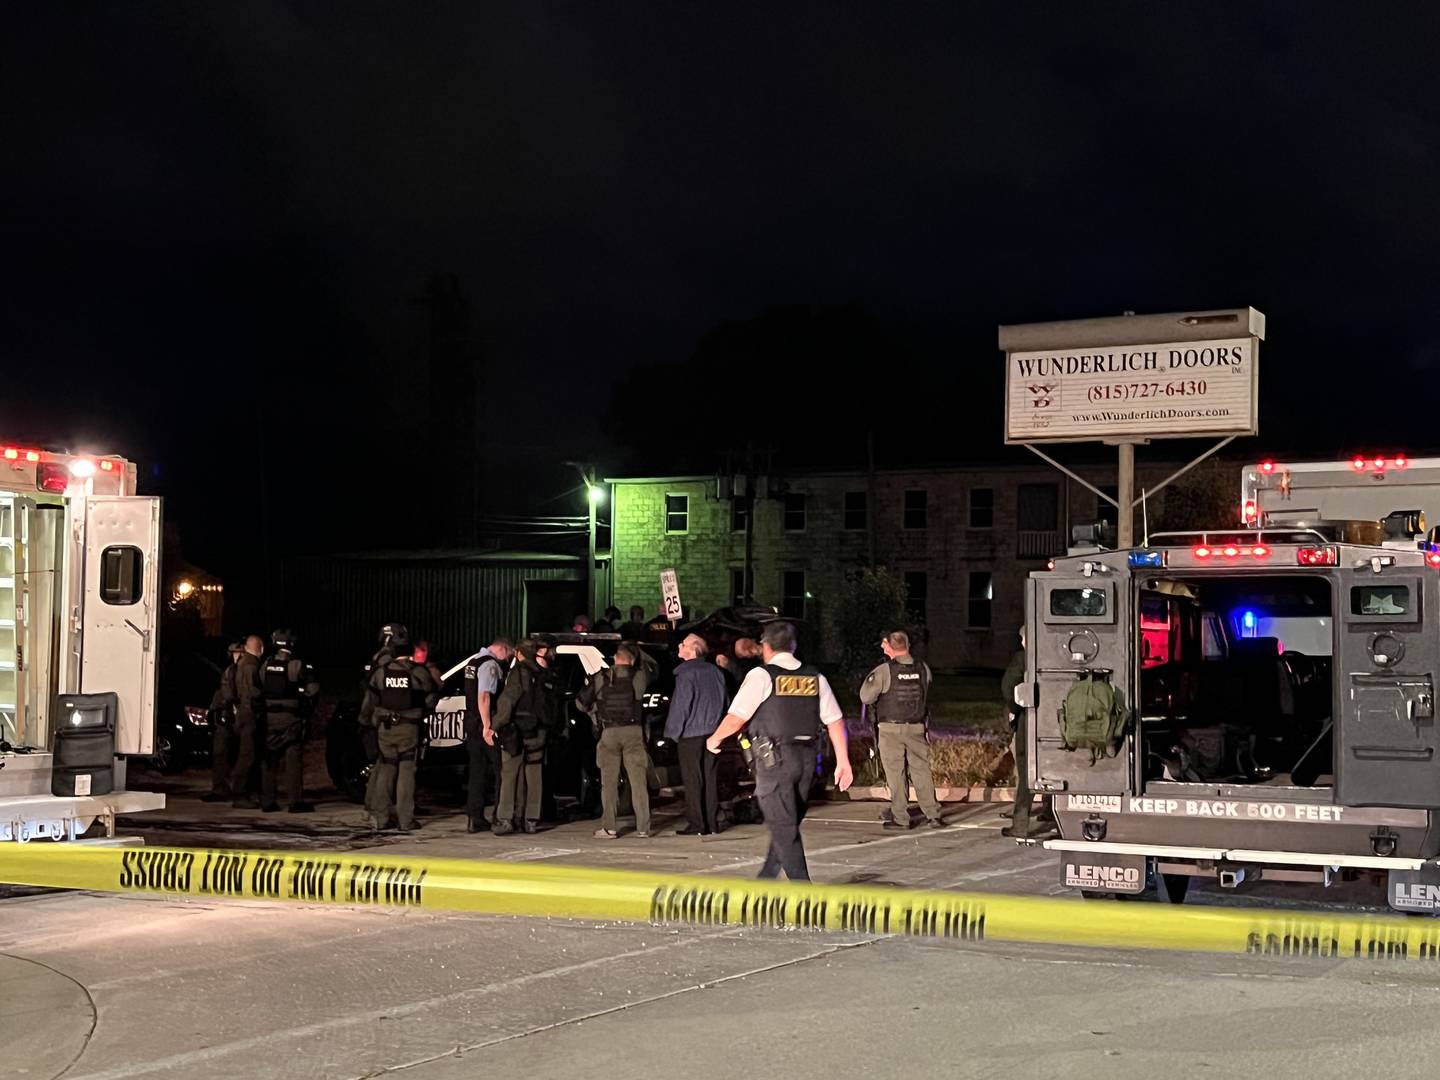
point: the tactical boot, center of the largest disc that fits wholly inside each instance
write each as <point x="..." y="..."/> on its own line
<point x="503" y="828"/>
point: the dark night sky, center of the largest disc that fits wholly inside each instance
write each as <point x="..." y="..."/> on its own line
<point x="218" y="219"/>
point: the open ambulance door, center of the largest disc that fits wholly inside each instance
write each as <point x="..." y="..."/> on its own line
<point x="1081" y="626"/>
<point x="120" y="608"/>
<point x="1386" y="644"/>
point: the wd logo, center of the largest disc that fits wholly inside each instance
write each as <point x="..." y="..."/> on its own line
<point x="797" y="686"/>
<point x="397" y="682"/>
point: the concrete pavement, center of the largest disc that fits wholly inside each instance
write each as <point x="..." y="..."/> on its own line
<point x="155" y="988"/>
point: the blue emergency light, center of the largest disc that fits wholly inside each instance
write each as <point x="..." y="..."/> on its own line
<point x="1247" y="624"/>
<point x="1154" y="559"/>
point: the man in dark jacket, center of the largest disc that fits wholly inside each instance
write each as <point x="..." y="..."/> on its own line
<point x="1021" y="813"/>
<point x="249" y="724"/>
<point x="222" y="731"/>
<point x="520" y="720"/>
<point x="696" y="708"/>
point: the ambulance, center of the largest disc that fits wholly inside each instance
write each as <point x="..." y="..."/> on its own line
<point x="79" y="607"/>
<point x="1272" y="690"/>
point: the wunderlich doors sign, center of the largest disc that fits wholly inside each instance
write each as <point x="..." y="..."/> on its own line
<point x="1172" y="389"/>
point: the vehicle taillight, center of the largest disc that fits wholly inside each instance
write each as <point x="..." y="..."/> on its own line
<point x="107" y="466"/>
<point x="1248" y="512"/>
<point x="1317" y="556"/>
<point x="52" y="477"/>
<point x="1202" y="552"/>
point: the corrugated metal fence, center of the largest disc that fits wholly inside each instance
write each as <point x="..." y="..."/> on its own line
<point x="338" y="603"/>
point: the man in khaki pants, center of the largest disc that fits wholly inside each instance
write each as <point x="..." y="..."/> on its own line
<point x="613" y="697"/>
<point x="899" y="692"/>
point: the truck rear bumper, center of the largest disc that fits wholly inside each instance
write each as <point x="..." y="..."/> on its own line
<point x="1240" y="856"/>
<point x="56" y="817"/>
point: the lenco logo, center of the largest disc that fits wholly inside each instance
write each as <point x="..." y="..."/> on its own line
<point x="397" y="681"/>
<point x="1417" y="893"/>
<point x="1106" y="875"/>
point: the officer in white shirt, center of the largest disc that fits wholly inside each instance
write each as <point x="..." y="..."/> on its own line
<point x="785" y="703"/>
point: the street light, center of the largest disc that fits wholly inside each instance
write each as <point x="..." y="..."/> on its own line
<point x="597" y="495"/>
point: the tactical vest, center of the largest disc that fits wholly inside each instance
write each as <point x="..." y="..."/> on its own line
<point x="906" y="700"/>
<point x="616" y="699"/>
<point x="529" y="714"/>
<point x="281" y="690"/>
<point x="792" y="711"/>
<point x="398" y="692"/>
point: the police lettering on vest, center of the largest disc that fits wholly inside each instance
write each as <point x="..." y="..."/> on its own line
<point x="398" y="692"/>
<point x="792" y="711"/>
<point x="618" y="707"/>
<point x="280" y="688"/>
<point x="906" y="700"/>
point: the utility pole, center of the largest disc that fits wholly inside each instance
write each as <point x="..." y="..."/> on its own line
<point x="594" y="495"/>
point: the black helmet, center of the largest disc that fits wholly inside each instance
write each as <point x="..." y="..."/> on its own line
<point x="394" y="635"/>
<point x="283" y="639"/>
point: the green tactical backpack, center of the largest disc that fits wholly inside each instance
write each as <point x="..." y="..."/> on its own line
<point x="1092" y="717"/>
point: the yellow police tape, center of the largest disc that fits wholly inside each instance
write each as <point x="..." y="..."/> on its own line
<point x="399" y="881"/>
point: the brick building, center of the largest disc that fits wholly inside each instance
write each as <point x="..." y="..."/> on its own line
<point x="965" y="539"/>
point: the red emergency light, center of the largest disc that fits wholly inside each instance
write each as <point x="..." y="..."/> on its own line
<point x="1267" y="466"/>
<point x="1318" y="556"/>
<point x="1249" y="512"/>
<point x="1379" y="464"/>
<point x="107" y="466"/>
<point x="32" y="456"/>
<point x="1231" y="551"/>
<point x="11" y="454"/>
<point x="1433" y="558"/>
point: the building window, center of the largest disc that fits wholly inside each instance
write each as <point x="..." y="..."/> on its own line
<point x="917" y="509"/>
<point x="855" y="510"/>
<point x="793" y="594"/>
<point x="677" y="513"/>
<point x="982" y="593"/>
<point x="1037" y="521"/>
<point x="982" y="508"/>
<point x="738" y="593"/>
<point x="739" y="511"/>
<point x="917" y="583"/>
<point x="795" y="512"/>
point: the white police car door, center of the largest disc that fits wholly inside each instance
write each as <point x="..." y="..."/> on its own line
<point x="119" y="610"/>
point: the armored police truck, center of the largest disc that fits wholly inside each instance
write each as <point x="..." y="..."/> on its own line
<point x="79" y="578"/>
<point x="1242" y="704"/>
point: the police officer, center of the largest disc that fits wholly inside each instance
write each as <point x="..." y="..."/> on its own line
<point x="520" y="722"/>
<point x="613" y="697"/>
<point x="290" y="692"/>
<point x="369" y="732"/>
<point x="784" y="702"/>
<point x="1020" y="826"/>
<point x="899" y="693"/>
<point x="484" y="675"/>
<point x="222" y="730"/>
<point x="249" y="723"/>
<point x="400" y="695"/>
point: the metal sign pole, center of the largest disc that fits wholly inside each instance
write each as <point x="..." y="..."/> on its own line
<point x="1125" y="496"/>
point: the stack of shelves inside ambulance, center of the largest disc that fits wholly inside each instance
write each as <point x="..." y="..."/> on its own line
<point x="9" y="593"/>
